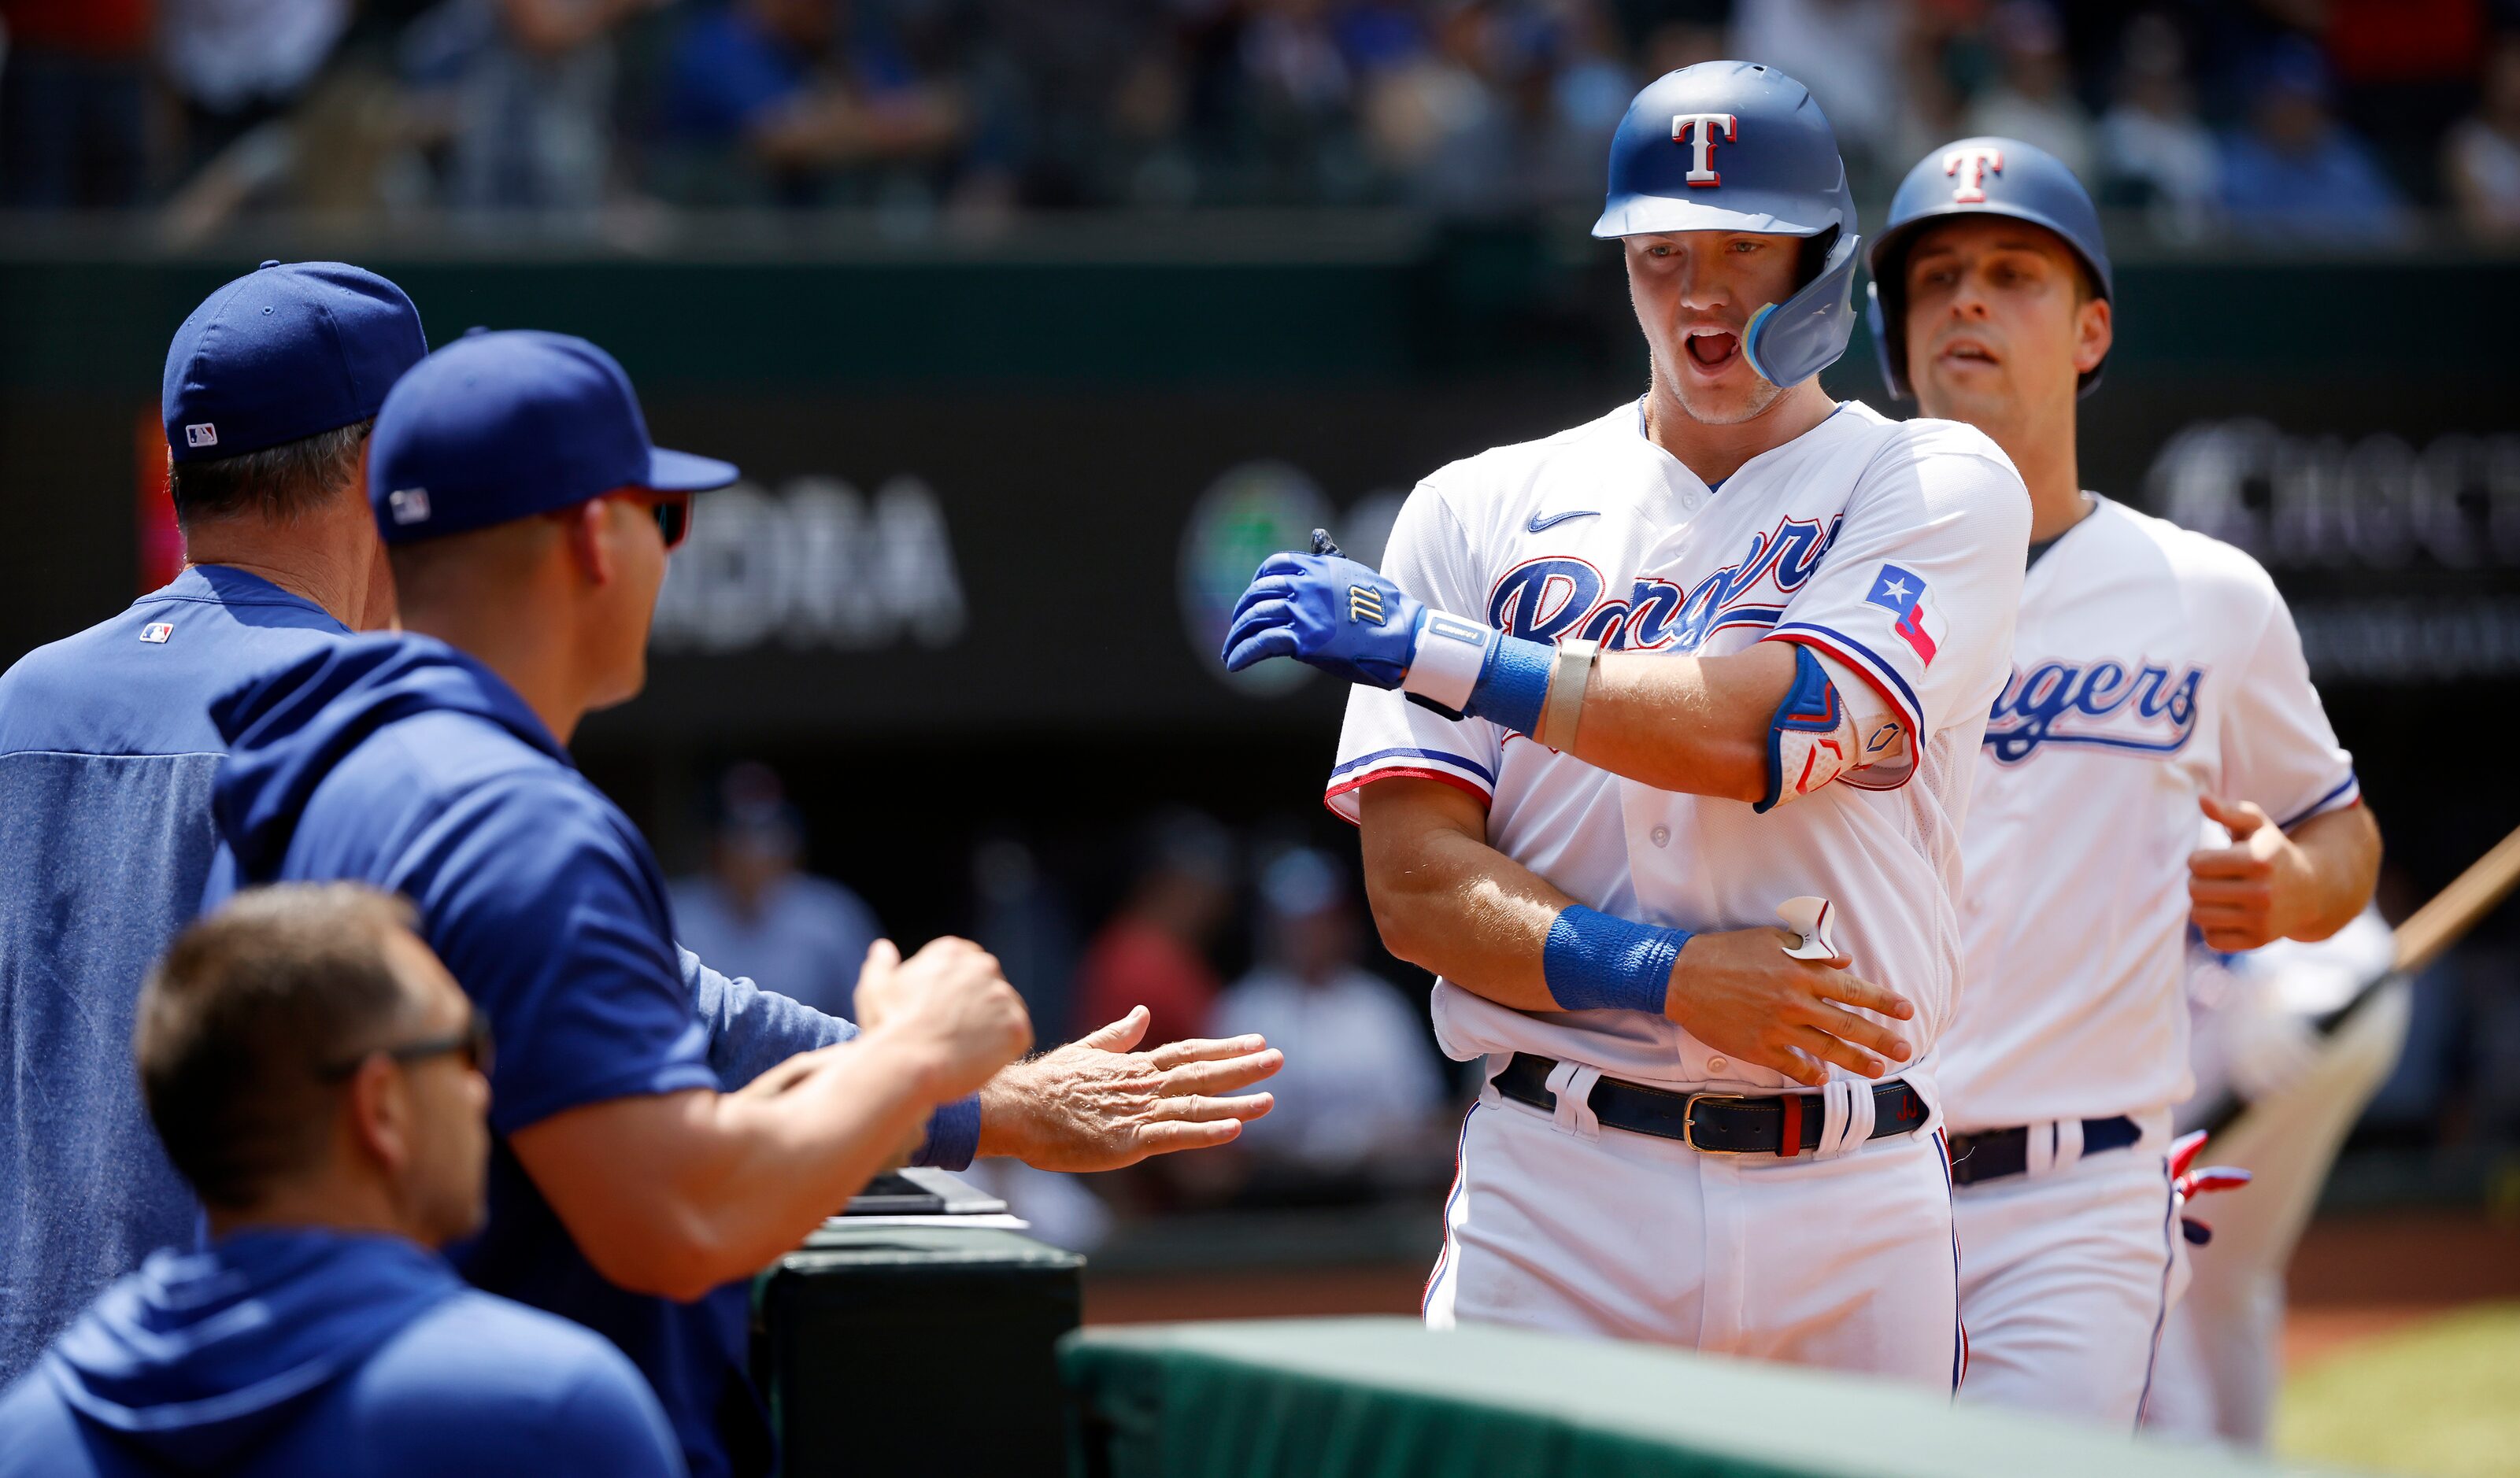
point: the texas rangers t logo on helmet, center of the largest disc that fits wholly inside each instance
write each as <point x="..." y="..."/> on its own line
<point x="1701" y="159"/>
<point x="1970" y="166"/>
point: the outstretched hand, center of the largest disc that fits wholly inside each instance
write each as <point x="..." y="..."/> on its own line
<point x="949" y="1005"/>
<point x="1098" y="1105"/>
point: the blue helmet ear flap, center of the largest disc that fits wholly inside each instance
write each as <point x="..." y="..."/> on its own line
<point x="1890" y="351"/>
<point x="1790" y="342"/>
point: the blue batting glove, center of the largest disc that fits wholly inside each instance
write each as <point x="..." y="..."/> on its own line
<point x="1332" y="612"/>
<point x="1329" y="611"/>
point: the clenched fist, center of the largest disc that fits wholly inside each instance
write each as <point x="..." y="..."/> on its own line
<point x="950" y="1005"/>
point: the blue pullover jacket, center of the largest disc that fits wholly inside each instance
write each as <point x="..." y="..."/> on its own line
<point x="400" y="762"/>
<point x="314" y="1354"/>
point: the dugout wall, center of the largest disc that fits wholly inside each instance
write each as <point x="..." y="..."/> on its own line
<point x="1000" y="493"/>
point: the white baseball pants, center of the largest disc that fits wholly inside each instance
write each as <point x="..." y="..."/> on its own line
<point x="2065" y="1279"/>
<point x="1845" y="1262"/>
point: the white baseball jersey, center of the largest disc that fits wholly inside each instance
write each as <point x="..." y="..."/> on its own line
<point x="1892" y="547"/>
<point x="2150" y="665"/>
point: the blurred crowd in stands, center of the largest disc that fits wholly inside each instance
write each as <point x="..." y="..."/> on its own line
<point x="2314" y="121"/>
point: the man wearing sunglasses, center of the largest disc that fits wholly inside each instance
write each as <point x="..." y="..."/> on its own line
<point x="319" y="1080"/>
<point x="527" y="517"/>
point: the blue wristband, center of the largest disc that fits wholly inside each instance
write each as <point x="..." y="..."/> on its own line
<point x="1594" y="961"/>
<point x="1514" y="683"/>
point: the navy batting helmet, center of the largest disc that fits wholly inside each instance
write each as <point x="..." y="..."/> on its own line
<point x="1982" y="176"/>
<point x="1734" y="145"/>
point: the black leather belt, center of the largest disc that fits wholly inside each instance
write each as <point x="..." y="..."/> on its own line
<point x="1714" y="1122"/>
<point x="1994" y="1153"/>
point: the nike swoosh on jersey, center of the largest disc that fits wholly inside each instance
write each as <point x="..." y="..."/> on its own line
<point x="1539" y="522"/>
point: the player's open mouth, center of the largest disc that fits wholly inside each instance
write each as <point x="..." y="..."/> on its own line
<point x="1713" y="348"/>
<point x="1967" y="351"/>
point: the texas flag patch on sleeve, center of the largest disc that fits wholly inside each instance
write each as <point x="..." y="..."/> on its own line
<point x="1919" y="625"/>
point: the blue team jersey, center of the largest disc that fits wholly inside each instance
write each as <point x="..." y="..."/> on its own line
<point x="307" y="1352"/>
<point x="106" y="755"/>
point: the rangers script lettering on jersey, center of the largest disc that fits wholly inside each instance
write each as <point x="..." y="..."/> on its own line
<point x="2151" y="665"/>
<point x="1892" y="549"/>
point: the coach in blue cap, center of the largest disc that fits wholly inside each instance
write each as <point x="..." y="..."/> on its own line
<point x="637" y="1179"/>
<point x="107" y="753"/>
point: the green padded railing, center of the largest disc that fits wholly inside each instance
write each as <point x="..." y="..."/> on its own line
<point x="1385" y="1398"/>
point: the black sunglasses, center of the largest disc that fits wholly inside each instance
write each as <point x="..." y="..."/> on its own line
<point x="472" y="1043"/>
<point x="673" y="517"/>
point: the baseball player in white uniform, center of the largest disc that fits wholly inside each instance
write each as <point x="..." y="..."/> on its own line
<point x="2156" y="682"/>
<point x="1723" y="647"/>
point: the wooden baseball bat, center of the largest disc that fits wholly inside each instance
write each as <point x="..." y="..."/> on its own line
<point x="2443" y="921"/>
<point x="2454" y="911"/>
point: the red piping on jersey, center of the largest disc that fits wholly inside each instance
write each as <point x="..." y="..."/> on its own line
<point x="1401" y="772"/>
<point x="1444" y="1253"/>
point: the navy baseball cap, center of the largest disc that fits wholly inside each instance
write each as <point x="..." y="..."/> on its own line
<point x="499" y="427"/>
<point x="286" y="353"/>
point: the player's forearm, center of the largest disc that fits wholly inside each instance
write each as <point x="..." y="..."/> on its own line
<point x="677" y="1193"/>
<point x="1446" y="900"/>
<point x="798" y="1144"/>
<point x="1698" y="726"/>
<point x="1449" y="903"/>
<point x="2341" y="851"/>
<point x="1693" y="725"/>
<point x="751" y="1031"/>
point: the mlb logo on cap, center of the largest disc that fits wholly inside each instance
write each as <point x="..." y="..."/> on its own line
<point x="285" y="352"/>
<point x="157" y="631"/>
<point x="408" y="504"/>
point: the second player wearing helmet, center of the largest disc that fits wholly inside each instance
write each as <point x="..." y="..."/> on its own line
<point x="2156" y="684"/>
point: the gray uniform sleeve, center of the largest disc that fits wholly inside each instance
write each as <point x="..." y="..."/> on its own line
<point x="752" y="1030"/>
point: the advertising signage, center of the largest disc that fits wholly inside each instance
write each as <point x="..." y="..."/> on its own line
<point x="1047" y="537"/>
<point x="918" y="565"/>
